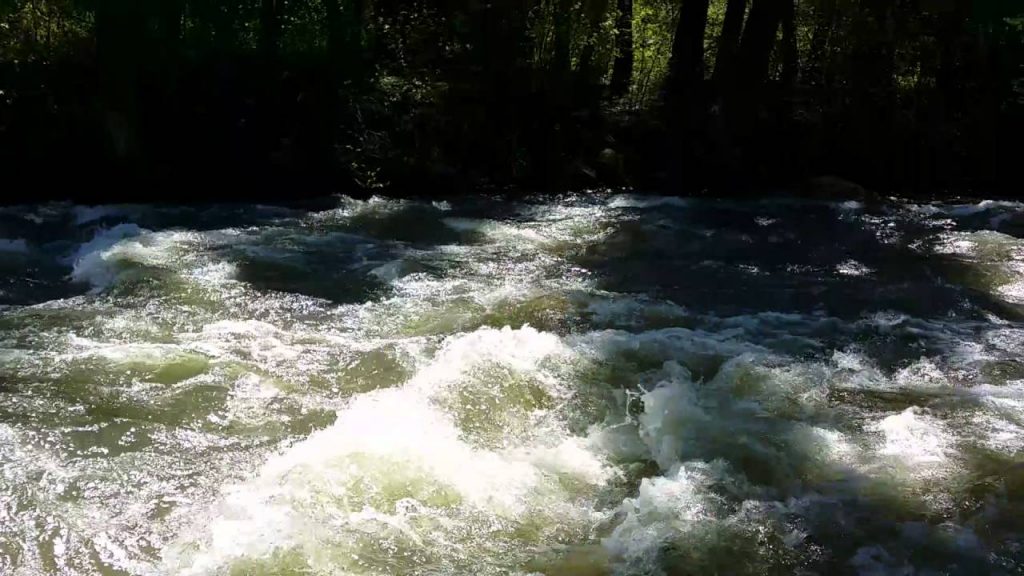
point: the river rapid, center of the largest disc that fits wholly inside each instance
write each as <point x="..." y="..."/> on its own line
<point x="576" y="386"/>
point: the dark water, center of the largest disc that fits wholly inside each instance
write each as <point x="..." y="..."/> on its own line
<point x="589" y="385"/>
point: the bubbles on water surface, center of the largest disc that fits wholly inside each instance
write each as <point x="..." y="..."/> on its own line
<point x="584" y="386"/>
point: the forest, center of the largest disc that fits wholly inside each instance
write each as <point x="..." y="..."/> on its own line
<point x="274" y="98"/>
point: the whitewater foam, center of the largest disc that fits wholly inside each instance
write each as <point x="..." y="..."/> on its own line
<point x="672" y="416"/>
<point x="665" y="509"/>
<point x="203" y="423"/>
<point x="636" y="201"/>
<point x="91" y="262"/>
<point x="395" y="456"/>
<point x="914" y="439"/>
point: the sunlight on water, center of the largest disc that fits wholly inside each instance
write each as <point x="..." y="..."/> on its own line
<point x="593" y="385"/>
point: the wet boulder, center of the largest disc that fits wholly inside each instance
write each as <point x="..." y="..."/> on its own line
<point x="836" y="189"/>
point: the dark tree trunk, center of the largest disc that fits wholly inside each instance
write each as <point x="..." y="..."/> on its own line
<point x="161" y="71"/>
<point x="686" y="67"/>
<point x="745" y="93"/>
<point x="335" y="30"/>
<point x="561" y="64"/>
<point x="683" y="89"/>
<point x="355" y="14"/>
<point x="873" y="137"/>
<point x="589" y="72"/>
<point x="270" y="26"/>
<point x="622" y="70"/>
<point x="953" y="27"/>
<point x="758" y="40"/>
<point x="120" y="44"/>
<point x="874" y="56"/>
<point x="346" y="38"/>
<point x="790" y="56"/>
<point x="824" y="24"/>
<point x="216" y="16"/>
<point x="171" y="12"/>
<point x="729" y="41"/>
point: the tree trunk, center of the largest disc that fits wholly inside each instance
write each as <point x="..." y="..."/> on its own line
<point x="683" y="88"/>
<point x="952" y="30"/>
<point x="622" y="70"/>
<point x="757" y="43"/>
<point x="270" y="27"/>
<point x="161" y="71"/>
<point x="790" y="56"/>
<point x="216" y="17"/>
<point x="874" y="56"/>
<point x="355" y="14"/>
<point x="824" y="24"/>
<point x="562" y="62"/>
<point x="589" y="72"/>
<point x="171" y="12"/>
<point x="870" y="93"/>
<point x="335" y="32"/>
<point x="686" y="67"/>
<point x="119" y="46"/>
<point x="729" y="41"/>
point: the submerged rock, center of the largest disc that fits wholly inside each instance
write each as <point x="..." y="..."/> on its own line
<point x="835" y="188"/>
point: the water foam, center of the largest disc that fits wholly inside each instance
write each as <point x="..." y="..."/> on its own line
<point x="665" y="508"/>
<point x="729" y="444"/>
<point x="636" y="201"/>
<point x="91" y="262"/>
<point x="402" y="467"/>
<point x="915" y="439"/>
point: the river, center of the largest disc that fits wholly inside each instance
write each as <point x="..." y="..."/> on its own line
<point x="599" y="384"/>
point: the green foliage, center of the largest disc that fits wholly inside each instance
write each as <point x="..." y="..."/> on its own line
<point x="41" y="30"/>
<point x="654" y="22"/>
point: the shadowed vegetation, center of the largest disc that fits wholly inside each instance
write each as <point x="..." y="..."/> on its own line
<point x="188" y="98"/>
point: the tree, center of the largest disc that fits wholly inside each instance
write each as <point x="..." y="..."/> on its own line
<point x="355" y="34"/>
<point x="510" y="91"/>
<point x="270" y="27"/>
<point x="595" y="12"/>
<point x="562" y="58"/>
<point x="120" y="42"/>
<point x="729" y="41"/>
<point x="335" y="30"/>
<point x="169" y="23"/>
<point x="790" y="56"/>
<point x="759" y="37"/>
<point x="955" y="41"/>
<point x="686" y="66"/>
<point x="824" y="26"/>
<point x="622" y="69"/>
<point x="873" y="53"/>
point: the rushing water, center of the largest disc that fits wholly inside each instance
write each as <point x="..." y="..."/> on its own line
<point x="593" y="385"/>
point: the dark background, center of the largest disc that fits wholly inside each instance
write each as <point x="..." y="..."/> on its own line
<point x="181" y="100"/>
